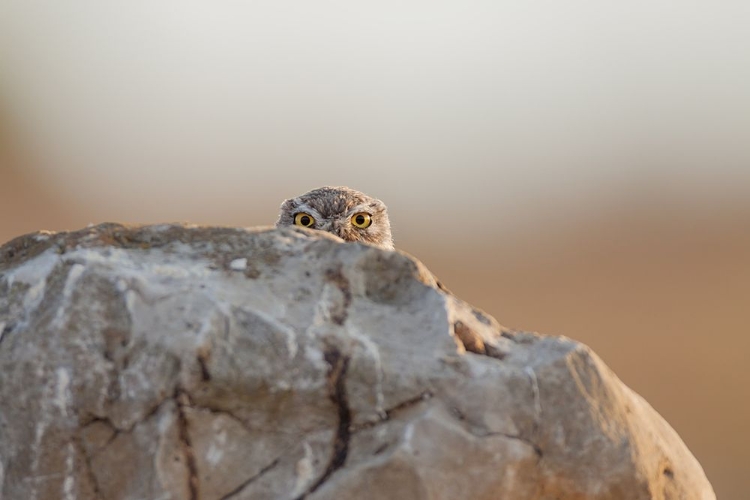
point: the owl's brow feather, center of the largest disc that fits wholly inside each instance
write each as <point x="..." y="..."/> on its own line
<point x="304" y="207"/>
<point x="369" y="208"/>
<point x="301" y="206"/>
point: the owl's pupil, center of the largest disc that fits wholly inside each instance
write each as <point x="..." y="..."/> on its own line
<point x="360" y="219"/>
<point x="305" y="220"/>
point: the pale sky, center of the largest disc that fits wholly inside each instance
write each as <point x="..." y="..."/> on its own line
<point x="164" y="110"/>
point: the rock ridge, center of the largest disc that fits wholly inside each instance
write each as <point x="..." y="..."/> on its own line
<point x="187" y="362"/>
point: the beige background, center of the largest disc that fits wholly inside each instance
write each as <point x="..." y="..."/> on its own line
<point x="573" y="168"/>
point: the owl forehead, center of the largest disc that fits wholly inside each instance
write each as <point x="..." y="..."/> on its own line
<point x="333" y="203"/>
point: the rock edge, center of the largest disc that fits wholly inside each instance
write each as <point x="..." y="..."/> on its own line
<point x="176" y="361"/>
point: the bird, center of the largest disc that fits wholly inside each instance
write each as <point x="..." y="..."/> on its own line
<point x="345" y="212"/>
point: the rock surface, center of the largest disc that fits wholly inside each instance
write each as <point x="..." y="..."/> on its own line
<point x="176" y="362"/>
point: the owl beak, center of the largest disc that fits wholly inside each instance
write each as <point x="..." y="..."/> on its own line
<point x="329" y="226"/>
<point x="337" y="228"/>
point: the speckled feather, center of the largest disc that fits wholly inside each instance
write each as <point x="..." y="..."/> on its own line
<point x="333" y="207"/>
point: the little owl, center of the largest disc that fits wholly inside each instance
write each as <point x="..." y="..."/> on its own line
<point x="349" y="214"/>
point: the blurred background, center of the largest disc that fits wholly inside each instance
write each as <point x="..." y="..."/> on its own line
<point x="575" y="168"/>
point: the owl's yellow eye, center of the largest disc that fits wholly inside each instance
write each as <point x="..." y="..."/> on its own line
<point x="362" y="220"/>
<point x="303" y="219"/>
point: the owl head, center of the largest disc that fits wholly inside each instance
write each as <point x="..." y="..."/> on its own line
<point x="345" y="212"/>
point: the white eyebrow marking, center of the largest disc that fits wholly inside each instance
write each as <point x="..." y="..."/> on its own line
<point x="304" y="207"/>
<point x="363" y="207"/>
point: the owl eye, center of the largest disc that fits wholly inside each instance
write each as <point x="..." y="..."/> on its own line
<point x="303" y="219"/>
<point x="362" y="220"/>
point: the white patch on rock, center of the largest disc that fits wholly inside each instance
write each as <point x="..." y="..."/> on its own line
<point x="535" y="390"/>
<point x="303" y="470"/>
<point x="111" y="256"/>
<point x="130" y="298"/>
<point x="33" y="273"/>
<point x="75" y="273"/>
<point x="76" y="270"/>
<point x="62" y="391"/>
<point x="34" y="270"/>
<point x="43" y="235"/>
<point x="39" y="430"/>
<point x="408" y="436"/>
<point x="69" y="482"/>
<point x="331" y="301"/>
<point x="283" y="385"/>
<point x="238" y="264"/>
<point x="165" y="422"/>
<point x="373" y="352"/>
<point x="291" y="342"/>
<point x="34" y="295"/>
<point x="216" y="449"/>
<point x="171" y="271"/>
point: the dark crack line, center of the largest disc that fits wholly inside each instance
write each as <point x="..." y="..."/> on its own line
<point x="115" y="432"/>
<point x="390" y="412"/>
<point x="424" y="396"/>
<point x="89" y="418"/>
<point x="6" y="328"/>
<point x="150" y="413"/>
<point x="339" y="364"/>
<point x="462" y="417"/>
<point x="124" y="430"/>
<point x="88" y="467"/>
<point x="251" y="479"/>
<point x="183" y="399"/>
<point x="533" y="445"/>
<point x="509" y="335"/>
<point x="227" y="413"/>
<point x="202" y="359"/>
<point x="111" y="440"/>
<point x="519" y="337"/>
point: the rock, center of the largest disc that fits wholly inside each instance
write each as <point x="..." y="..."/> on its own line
<point x="214" y="363"/>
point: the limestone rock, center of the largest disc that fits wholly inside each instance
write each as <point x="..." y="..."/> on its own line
<point x="177" y="362"/>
